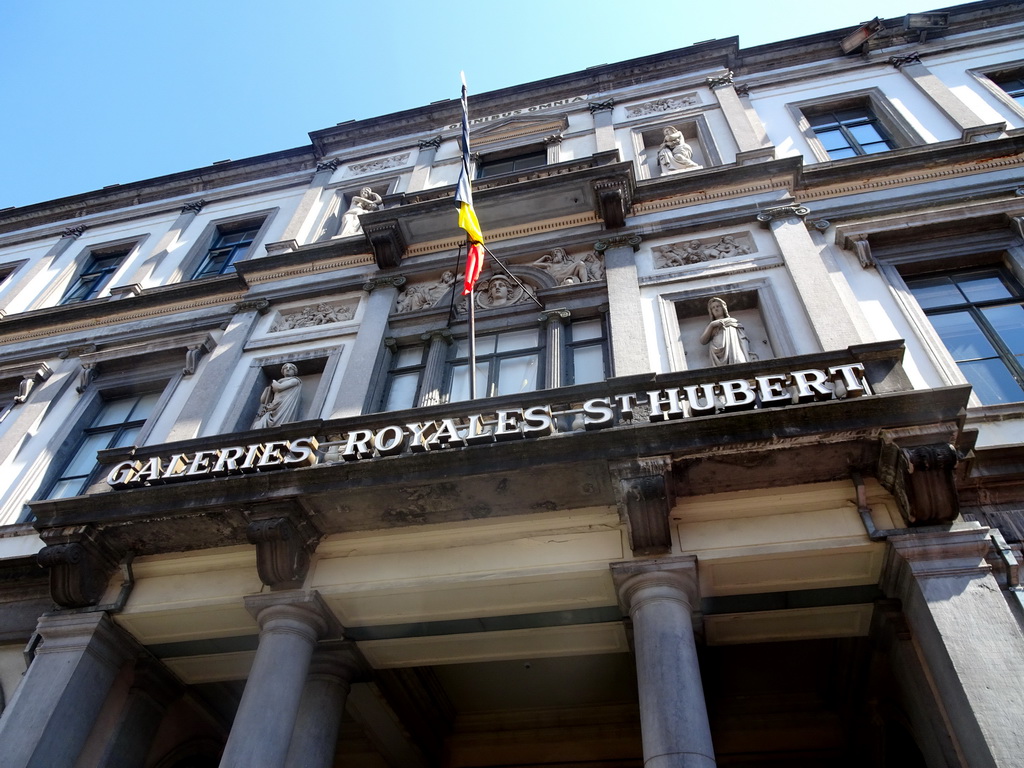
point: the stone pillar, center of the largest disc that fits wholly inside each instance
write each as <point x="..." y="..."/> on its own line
<point x="24" y="276"/>
<point x="970" y="641"/>
<point x="604" y="131"/>
<point x="554" y="321"/>
<point x="969" y="124"/>
<point x="420" y="176"/>
<point x="320" y="179"/>
<point x="822" y="300"/>
<point x="362" y="360"/>
<point x="52" y="712"/>
<point x="628" y="340"/>
<point x="749" y="146"/>
<point x="163" y="246"/>
<point x="433" y="367"/>
<point x="290" y="624"/>
<point x="323" y="703"/>
<point x="660" y="596"/>
<point x="152" y="691"/>
<point x="220" y="365"/>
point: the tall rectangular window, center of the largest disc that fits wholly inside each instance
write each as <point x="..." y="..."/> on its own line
<point x="979" y="315"/>
<point x="94" y="276"/>
<point x="850" y="132"/>
<point x="587" y="352"/>
<point x="230" y="245"/>
<point x="506" y="363"/>
<point x="116" y="425"/>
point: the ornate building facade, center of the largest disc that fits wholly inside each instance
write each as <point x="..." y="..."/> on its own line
<point x="743" y="483"/>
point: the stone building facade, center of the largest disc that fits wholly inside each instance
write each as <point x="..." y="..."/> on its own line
<point x="743" y="486"/>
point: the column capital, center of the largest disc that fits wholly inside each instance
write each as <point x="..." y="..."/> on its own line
<point x="440" y="335"/>
<point x="723" y="79"/>
<point x="672" y="578"/>
<point x="782" y="212"/>
<point x="249" y="305"/>
<point x="194" y="207"/>
<point x="557" y="315"/>
<point x="295" y="610"/>
<point x="601" y="106"/>
<point x="434" y="143"/>
<point x="74" y="232"/>
<point x="328" y="165"/>
<point x="632" y="241"/>
<point x="908" y="58"/>
<point x="65" y="632"/>
<point x="396" y="282"/>
<point x="337" y="661"/>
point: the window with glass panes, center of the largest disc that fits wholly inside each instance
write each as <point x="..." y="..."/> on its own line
<point x="850" y="132"/>
<point x="979" y="315"/>
<point x="1013" y="84"/>
<point x="493" y="166"/>
<point x="506" y="363"/>
<point x="587" y="352"/>
<point x="116" y="425"/>
<point x="229" y="246"/>
<point x="404" y="378"/>
<point x="95" y="274"/>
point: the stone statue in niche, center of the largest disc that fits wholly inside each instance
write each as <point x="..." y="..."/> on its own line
<point x="565" y="269"/>
<point x="366" y="201"/>
<point x="279" y="402"/>
<point x="675" y="154"/>
<point x="725" y="337"/>
<point x="322" y="314"/>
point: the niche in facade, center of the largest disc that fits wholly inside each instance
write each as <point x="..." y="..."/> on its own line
<point x="283" y="389"/>
<point x="650" y="140"/>
<point x="743" y="337"/>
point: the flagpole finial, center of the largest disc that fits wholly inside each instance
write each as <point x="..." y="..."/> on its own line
<point x="463" y="76"/>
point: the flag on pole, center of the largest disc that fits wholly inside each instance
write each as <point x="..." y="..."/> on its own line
<point x="464" y="201"/>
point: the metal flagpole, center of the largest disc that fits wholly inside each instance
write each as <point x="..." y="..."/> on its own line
<point x="472" y="344"/>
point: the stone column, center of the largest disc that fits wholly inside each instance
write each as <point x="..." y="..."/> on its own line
<point x="420" y="175"/>
<point x="433" y="367"/>
<point x="628" y="340"/>
<point x="323" y="703"/>
<point x="749" y="145"/>
<point x="163" y="246"/>
<point x="219" y="366"/>
<point x="660" y="596"/>
<point x="970" y="641"/>
<point x="963" y="117"/>
<point x="554" y="321"/>
<point x="23" y="277"/>
<point x="604" y="131"/>
<point x="324" y="172"/>
<point x="290" y="624"/>
<point x="51" y="714"/>
<point x="362" y="360"/>
<point x="152" y="691"/>
<point x="822" y="300"/>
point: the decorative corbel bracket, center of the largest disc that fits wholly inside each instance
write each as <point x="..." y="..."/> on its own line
<point x="614" y="201"/>
<point x="284" y="542"/>
<point x="922" y="479"/>
<point x="387" y="242"/>
<point x="80" y="563"/>
<point x="30" y="379"/>
<point x="645" y="492"/>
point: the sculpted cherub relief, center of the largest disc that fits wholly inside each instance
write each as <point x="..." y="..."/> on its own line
<point x="568" y="269"/>
<point x="697" y="251"/>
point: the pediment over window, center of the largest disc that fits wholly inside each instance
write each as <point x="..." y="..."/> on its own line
<point x="517" y="128"/>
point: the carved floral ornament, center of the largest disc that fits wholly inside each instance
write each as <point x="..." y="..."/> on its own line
<point x="498" y="291"/>
<point x="701" y="250"/>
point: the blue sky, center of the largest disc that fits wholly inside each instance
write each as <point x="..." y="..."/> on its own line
<point x="110" y="92"/>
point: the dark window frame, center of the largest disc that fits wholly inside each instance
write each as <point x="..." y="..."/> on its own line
<point x="96" y="273"/>
<point x="228" y="253"/>
<point x="511" y="161"/>
<point x="976" y="310"/>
